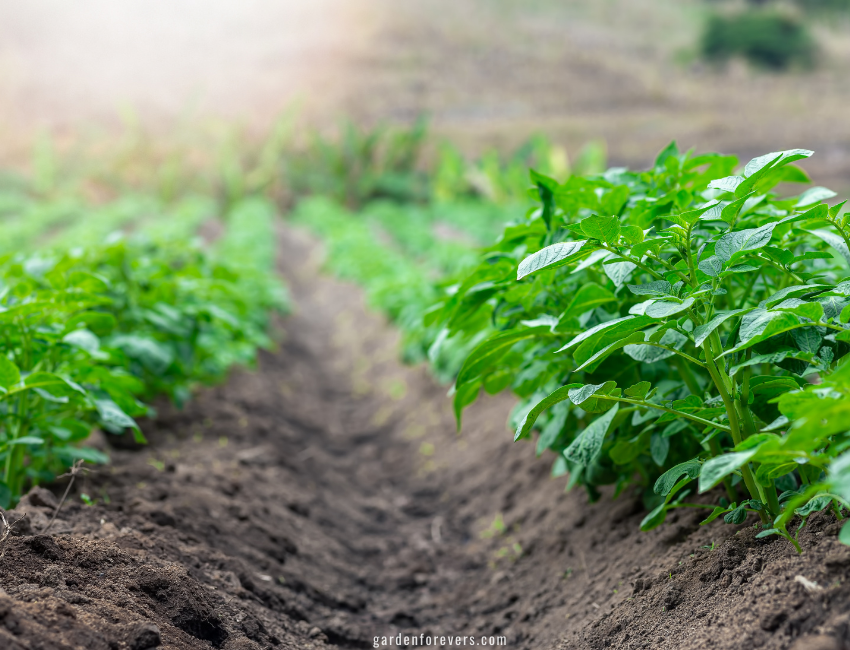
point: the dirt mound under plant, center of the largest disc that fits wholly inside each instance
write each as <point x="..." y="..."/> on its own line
<point x="326" y="499"/>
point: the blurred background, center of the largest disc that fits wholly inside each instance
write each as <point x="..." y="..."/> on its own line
<point x="735" y="76"/>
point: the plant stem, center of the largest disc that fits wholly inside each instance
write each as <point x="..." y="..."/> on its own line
<point x="734" y="427"/>
<point x="687" y="416"/>
<point x="637" y="263"/>
<point x="772" y="499"/>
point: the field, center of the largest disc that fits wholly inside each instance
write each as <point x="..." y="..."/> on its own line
<point x="286" y="382"/>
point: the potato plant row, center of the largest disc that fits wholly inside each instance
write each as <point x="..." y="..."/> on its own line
<point x="679" y="329"/>
<point x="90" y="335"/>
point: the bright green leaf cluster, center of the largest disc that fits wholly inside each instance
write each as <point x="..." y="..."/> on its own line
<point x="670" y="326"/>
<point x="90" y="333"/>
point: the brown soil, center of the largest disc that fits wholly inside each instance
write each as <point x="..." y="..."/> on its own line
<point x="325" y="499"/>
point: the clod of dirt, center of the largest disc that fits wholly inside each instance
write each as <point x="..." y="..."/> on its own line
<point x="20" y="522"/>
<point x="772" y="620"/>
<point x="838" y="559"/>
<point x="673" y="595"/>
<point x="731" y="556"/>
<point x="46" y="547"/>
<point x="38" y="497"/>
<point x="143" y="637"/>
<point x="183" y="602"/>
<point x="52" y="577"/>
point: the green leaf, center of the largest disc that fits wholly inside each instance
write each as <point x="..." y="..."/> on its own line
<point x="811" y="310"/>
<point x="639" y="390"/>
<point x="659" y="447"/>
<point x="730" y="212"/>
<point x="83" y="339"/>
<point x="631" y="235"/>
<point x="582" y="392"/>
<point x="808" y="339"/>
<point x="545" y="188"/>
<point x="493" y="349"/>
<point x="525" y="427"/>
<point x="834" y="241"/>
<point x="589" y="296"/>
<point x="690" y="468"/>
<point x="760" y="323"/>
<point x="605" y="229"/>
<point x="588" y="443"/>
<point x="25" y="440"/>
<point x="624" y="325"/>
<point x="768" y="472"/>
<point x="550" y="257"/>
<point x="51" y="383"/>
<point x="671" y="150"/>
<point x="711" y="266"/>
<point x="814" y="195"/>
<point x="113" y="417"/>
<point x="153" y="355"/>
<point x="738" y="515"/>
<point x="817" y="504"/>
<point x="665" y="308"/>
<point x="657" y="288"/>
<point x="593" y="362"/>
<point x="791" y="292"/>
<point x="716" y="469"/>
<point x="775" y="159"/>
<point x="844" y="534"/>
<point x="772" y="357"/>
<point x="718" y="510"/>
<point x="702" y="332"/>
<point x="100" y="323"/>
<point x="625" y="451"/>
<point x="88" y="454"/>
<point x="463" y="397"/>
<point x="743" y="240"/>
<point x="619" y="272"/>
<point x="655" y="518"/>
<point x="9" y="373"/>
<point x="728" y="184"/>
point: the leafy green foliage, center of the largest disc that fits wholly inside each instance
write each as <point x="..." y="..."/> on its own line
<point x="770" y="39"/>
<point x="361" y="165"/>
<point x="682" y="323"/>
<point x="91" y="332"/>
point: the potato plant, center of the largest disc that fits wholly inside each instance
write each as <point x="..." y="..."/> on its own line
<point x="89" y="333"/>
<point x="680" y="328"/>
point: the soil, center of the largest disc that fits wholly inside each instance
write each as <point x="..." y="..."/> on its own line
<point x="325" y="499"/>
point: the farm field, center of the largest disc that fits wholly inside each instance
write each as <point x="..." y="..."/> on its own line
<point x="491" y="361"/>
<point x="293" y="507"/>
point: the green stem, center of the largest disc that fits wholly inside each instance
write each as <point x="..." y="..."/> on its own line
<point x="668" y="266"/>
<point x="687" y="357"/>
<point x="772" y="499"/>
<point x="680" y="414"/>
<point x="634" y="261"/>
<point x="734" y="427"/>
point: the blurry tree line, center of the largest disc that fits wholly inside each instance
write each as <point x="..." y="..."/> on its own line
<point x="771" y="34"/>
